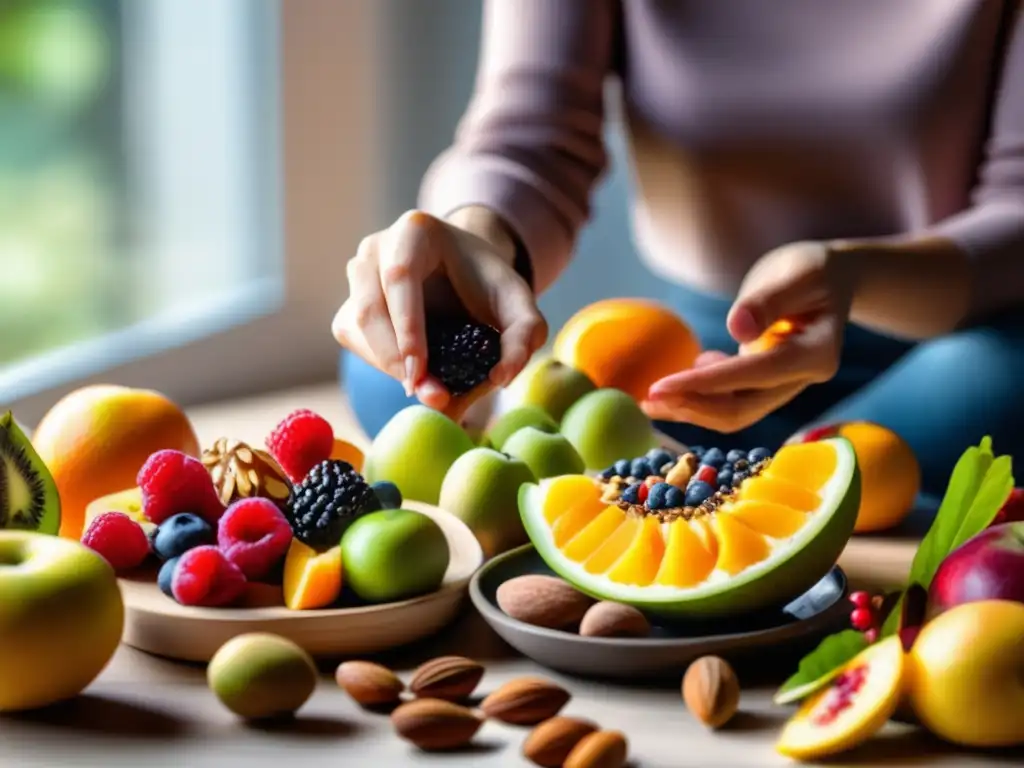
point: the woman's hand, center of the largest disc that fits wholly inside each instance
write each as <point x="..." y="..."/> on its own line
<point x="805" y="291"/>
<point x="422" y="264"/>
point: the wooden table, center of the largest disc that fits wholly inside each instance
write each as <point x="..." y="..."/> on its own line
<point x="146" y="712"/>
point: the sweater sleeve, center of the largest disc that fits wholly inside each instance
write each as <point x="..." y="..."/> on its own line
<point x="991" y="231"/>
<point x="530" y="145"/>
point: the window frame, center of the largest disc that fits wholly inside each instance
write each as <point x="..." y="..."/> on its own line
<point x="330" y="195"/>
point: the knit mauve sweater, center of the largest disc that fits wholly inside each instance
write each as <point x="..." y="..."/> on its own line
<point x="751" y="124"/>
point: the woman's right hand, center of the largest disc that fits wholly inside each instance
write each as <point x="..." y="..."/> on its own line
<point x="423" y="264"/>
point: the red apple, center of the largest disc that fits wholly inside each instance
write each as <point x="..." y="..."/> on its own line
<point x="1013" y="510"/>
<point x="989" y="566"/>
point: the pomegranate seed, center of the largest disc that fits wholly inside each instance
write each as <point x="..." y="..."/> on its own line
<point x="860" y="599"/>
<point x="862" y="619"/>
<point x="642" y="493"/>
<point x="871" y="635"/>
<point x="707" y="474"/>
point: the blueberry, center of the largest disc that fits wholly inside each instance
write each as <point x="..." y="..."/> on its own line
<point x="640" y="469"/>
<point x="697" y="493"/>
<point x="622" y="467"/>
<point x="724" y="477"/>
<point x="713" y="457"/>
<point x="739" y="477"/>
<point x="180" y="533"/>
<point x="658" y="496"/>
<point x="658" y="458"/>
<point x="674" y="498"/>
<point x="697" y="450"/>
<point x="166" y="576"/>
<point x="388" y="494"/>
<point x="735" y="455"/>
<point x="758" y="454"/>
<point x="609" y="473"/>
<point x="632" y="494"/>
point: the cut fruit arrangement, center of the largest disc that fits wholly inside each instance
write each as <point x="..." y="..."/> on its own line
<point x="655" y="533"/>
<point x="290" y="525"/>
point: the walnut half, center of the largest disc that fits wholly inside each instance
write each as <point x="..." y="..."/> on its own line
<point x="240" y="472"/>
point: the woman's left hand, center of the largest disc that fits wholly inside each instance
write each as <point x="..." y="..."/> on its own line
<point x="811" y="286"/>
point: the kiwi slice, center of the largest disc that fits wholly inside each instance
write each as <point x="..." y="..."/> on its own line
<point x="29" y="500"/>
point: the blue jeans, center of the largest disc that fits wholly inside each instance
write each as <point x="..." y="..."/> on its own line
<point x="941" y="395"/>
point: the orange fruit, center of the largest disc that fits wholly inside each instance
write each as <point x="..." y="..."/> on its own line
<point x="890" y="475"/>
<point x="96" y="439"/>
<point x="346" y="451"/>
<point x="312" y="579"/>
<point x="626" y="344"/>
<point x="769" y="541"/>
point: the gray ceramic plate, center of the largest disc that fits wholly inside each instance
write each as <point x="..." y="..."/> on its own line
<point x="818" y="612"/>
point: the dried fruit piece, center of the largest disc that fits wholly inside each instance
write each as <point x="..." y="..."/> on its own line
<point x="452" y="678"/>
<point x="525" y="701"/>
<point x="711" y="691"/>
<point x="603" y="749"/>
<point x="239" y="472"/>
<point x="550" y="743"/>
<point x="434" y="724"/>
<point x="608" y="619"/>
<point x="543" y="601"/>
<point x="369" y="684"/>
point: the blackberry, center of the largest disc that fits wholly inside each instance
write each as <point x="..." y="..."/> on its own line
<point x="327" y="501"/>
<point x="461" y="354"/>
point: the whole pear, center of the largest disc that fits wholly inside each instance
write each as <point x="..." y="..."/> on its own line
<point x="545" y="454"/>
<point x="549" y="384"/>
<point x="414" y="451"/>
<point x="607" y="425"/>
<point x="515" y="419"/>
<point x="482" y="489"/>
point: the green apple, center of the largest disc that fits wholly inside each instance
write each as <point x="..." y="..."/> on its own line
<point x="546" y="455"/>
<point x="515" y="419"/>
<point x="394" y="554"/>
<point x="549" y="384"/>
<point x="607" y="425"/>
<point x="259" y="676"/>
<point x="61" y="618"/>
<point x="482" y="490"/>
<point x="414" y="451"/>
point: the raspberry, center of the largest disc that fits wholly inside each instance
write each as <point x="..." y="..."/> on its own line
<point x="254" y="535"/>
<point x="300" y="442"/>
<point x="173" y="482"/>
<point x="205" y="577"/>
<point x="119" y="539"/>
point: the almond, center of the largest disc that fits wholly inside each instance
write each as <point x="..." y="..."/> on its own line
<point x="543" y="601"/>
<point x="550" y="743"/>
<point x="603" y="749"/>
<point x="449" y="677"/>
<point x="525" y="701"/>
<point x="371" y="685"/>
<point x="435" y="724"/>
<point x="711" y="691"/>
<point x="607" y="619"/>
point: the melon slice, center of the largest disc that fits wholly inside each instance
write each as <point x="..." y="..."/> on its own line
<point x="776" y="536"/>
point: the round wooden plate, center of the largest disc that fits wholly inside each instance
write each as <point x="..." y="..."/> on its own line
<point x="157" y="624"/>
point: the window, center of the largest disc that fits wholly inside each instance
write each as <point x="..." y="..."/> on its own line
<point x="151" y="155"/>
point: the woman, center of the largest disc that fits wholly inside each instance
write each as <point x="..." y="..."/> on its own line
<point x="855" y="164"/>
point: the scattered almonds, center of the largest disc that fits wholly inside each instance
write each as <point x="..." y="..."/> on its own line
<point x="711" y="691"/>
<point x="602" y="749"/>
<point x="525" y="701"/>
<point x="550" y="743"/>
<point x="435" y="724"/>
<point x="371" y="685"/>
<point x="543" y="601"/>
<point x="608" y="619"/>
<point x="452" y="678"/>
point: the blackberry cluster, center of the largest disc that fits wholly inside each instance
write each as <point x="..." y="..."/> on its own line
<point x="461" y="354"/>
<point x="327" y="500"/>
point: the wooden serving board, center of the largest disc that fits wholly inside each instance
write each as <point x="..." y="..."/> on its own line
<point x="157" y="624"/>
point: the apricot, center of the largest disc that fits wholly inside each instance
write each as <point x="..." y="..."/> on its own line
<point x="312" y="579"/>
<point x="96" y="439"/>
<point x="626" y="344"/>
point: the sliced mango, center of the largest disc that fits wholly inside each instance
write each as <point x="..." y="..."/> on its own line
<point x="642" y="560"/>
<point x="567" y="493"/>
<point x="614" y="546"/>
<point x="594" y="534"/>
<point x="739" y="546"/>
<point x="687" y="560"/>
<point x="809" y="465"/>
<point x="312" y="579"/>
<point x="774" y="520"/>
<point x="779" y="491"/>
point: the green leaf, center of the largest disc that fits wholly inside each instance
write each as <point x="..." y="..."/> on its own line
<point x="995" y="489"/>
<point x="821" y="665"/>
